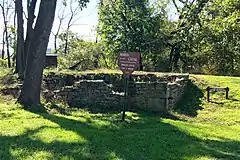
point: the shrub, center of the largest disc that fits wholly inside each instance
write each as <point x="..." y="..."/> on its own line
<point x="3" y="63"/>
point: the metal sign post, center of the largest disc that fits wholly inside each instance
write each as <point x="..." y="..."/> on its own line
<point x="126" y="82"/>
<point x="128" y="62"/>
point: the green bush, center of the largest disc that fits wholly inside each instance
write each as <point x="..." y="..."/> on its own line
<point x="3" y="63"/>
<point x="86" y="54"/>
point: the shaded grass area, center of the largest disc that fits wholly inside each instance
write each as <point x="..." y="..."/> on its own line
<point x="205" y="131"/>
<point x="191" y="101"/>
<point x="99" y="136"/>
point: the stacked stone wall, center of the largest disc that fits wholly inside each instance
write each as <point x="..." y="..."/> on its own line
<point x="105" y="91"/>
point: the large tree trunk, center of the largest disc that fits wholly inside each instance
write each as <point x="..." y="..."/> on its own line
<point x="30" y="94"/>
<point x="31" y="9"/>
<point x="20" y="55"/>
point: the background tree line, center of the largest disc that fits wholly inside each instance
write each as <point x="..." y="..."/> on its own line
<point x="204" y="38"/>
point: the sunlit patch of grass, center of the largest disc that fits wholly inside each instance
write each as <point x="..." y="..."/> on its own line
<point x="207" y="131"/>
<point x="51" y="134"/>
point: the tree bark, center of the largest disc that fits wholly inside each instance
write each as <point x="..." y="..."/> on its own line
<point x="74" y="12"/>
<point x="140" y="63"/>
<point x="7" y="42"/>
<point x="3" y="45"/>
<point x="30" y="93"/>
<point x="31" y="9"/>
<point x="66" y="44"/>
<point x="20" y="55"/>
<point x="55" y="44"/>
<point x="61" y="18"/>
<point x="6" y="34"/>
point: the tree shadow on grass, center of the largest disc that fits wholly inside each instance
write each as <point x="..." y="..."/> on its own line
<point x="234" y="99"/>
<point x="191" y="101"/>
<point x="215" y="102"/>
<point x="6" y="115"/>
<point x="221" y="100"/>
<point x="142" y="137"/>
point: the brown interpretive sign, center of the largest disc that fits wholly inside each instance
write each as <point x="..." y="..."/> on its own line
<point x="128" y="62"/>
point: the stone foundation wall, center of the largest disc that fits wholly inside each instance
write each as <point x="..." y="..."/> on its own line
<point x="105" y="91"/>
<point x="175" y="91"/>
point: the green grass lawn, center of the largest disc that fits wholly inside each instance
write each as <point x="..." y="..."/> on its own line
<point x="203" y="130"/>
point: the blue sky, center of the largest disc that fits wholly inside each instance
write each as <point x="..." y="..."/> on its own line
<point x="87" y="20"/>
<point x="84" y="26"/>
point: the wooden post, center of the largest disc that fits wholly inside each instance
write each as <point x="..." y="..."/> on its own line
<point x="167" y="97"/>
<point x="227" y="90"/>
<point x="126" y="83"/>
<point x="208" y="93"/>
